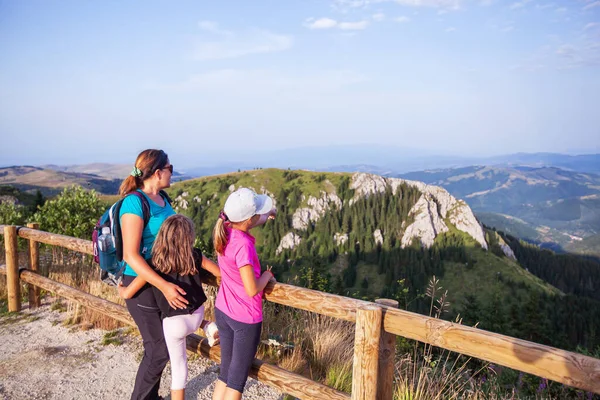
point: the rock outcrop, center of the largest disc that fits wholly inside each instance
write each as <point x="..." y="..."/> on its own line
<point x="430" y="212"/>
<point x="340" y="238"/>
<point x="508" y="252"/>
<point x="427" y="222"/>
<point x="378" y="236"/>
<point x="317" y="207"/>
<point x="289" y="241"/>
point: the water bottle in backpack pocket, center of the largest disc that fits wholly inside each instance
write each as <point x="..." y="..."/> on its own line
<point x="107" y="252"/>
<point x="105" y="247"/>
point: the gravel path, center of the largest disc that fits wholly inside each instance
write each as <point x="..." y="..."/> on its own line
<point x="42" y="359"/>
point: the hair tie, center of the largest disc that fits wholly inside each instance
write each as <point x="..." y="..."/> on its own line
<point x="223" y="216"/>
<point x="136" y="172"/>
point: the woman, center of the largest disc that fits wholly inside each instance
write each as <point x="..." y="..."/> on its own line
<point x="151" y="174"/>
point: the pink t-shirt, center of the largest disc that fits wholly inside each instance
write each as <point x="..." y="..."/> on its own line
<point x="232" y="298"/>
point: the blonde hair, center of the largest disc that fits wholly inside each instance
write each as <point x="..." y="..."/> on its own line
<point x="148" y="161"/>
<point x="173" y="249"/>
<point x="220" y="238"/>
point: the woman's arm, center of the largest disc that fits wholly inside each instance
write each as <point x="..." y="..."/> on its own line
<point x="131" y="227"/>
<point x="127" y="292"/>
<point x="211" y="266"/>
<point x="252" y="285"/>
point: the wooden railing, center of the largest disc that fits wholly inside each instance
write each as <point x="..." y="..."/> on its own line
<point x="376" y="325"/>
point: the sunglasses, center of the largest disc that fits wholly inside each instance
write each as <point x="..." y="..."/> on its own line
<point x="169" y="167"/>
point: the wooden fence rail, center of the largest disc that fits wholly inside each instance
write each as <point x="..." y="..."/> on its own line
<point x="548" y="362"/>
<point x="288" y="382"/>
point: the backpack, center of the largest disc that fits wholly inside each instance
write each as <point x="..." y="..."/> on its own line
<point x="112" y="265"/>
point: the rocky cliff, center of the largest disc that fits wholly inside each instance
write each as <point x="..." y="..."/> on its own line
<point x="432" y="213"/>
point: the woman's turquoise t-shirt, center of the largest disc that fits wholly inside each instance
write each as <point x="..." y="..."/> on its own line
<point x="133" y="205"/>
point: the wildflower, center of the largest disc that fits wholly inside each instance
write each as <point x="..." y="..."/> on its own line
<point x="543" y="385"/>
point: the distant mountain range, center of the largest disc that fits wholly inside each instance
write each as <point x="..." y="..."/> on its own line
<point x="51" y="182"/>
<point x="378" y="159"/>
<point x="549" y="205"/>
<point x="547" y="198"/>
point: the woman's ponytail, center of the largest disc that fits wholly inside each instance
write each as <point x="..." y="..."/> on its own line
<point x="220" y="236"/>
<point x="146" y="164"/>
<point x="130" y="184"/>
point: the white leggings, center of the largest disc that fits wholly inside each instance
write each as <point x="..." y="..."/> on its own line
<point x="176" y="330"/>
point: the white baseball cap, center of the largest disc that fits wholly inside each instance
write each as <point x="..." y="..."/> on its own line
<point x="244" y="203"/>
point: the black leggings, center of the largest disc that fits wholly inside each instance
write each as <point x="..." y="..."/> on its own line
<point x="146" y="315"/>
<point x="239" y="342"/>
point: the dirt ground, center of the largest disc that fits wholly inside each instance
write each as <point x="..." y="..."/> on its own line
<point x="41" y="358"/>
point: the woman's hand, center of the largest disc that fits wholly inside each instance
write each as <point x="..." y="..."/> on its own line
<point x="122" y="290"/>
<point x="174" y="295"/>
<point x="272" y="214"/>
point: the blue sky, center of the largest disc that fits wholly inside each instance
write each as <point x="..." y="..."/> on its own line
<point x="89" y="81"/>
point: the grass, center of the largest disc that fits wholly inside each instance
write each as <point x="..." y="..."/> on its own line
<point x="112" y="337"/>
<point x="430" y="373"/>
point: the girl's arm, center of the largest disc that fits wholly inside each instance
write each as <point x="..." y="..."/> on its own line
<point x="132" y="226"/>
<point x="211" y="266"/>
<point x="252" y="285"/>
<point x="127" y="292"/>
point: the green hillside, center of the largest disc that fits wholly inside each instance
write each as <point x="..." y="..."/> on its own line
<point x="372" y="265"/>
<point x="484" y="286"/>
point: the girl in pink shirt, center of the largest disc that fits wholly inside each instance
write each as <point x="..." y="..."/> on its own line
<point x="238" y="308"/>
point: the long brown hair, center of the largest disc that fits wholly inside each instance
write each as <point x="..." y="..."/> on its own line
<point x="148" y="162"/>
<point x="173" y="249"/>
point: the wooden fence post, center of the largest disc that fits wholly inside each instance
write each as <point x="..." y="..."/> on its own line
<point x="366" y="352"/>
<point x="34" y="265"/>
<point x="387" y="354"/>
<point x="12" y="268"/>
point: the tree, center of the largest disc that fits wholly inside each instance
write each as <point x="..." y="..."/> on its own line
<point x="38" y="201"/>
<point x="12" y="214"/>
<point x="471" y="311"/>
<point x="74" y="212"/>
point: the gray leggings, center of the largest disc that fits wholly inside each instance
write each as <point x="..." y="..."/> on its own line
<point x="239" y="342"/>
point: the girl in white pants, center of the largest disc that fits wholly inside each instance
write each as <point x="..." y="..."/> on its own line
<point x="176" y="329"/>
<point x="176" y="260"/>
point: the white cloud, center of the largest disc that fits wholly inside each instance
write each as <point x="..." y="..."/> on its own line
<point x="328" y="23"/>
<point x="451" y="4"/>
<point x="378" y="17"/>
<point x="402" y="19"/>
<point x="592" y="5"/>
<point x="591" y="25"/>
<point x="321" y="23"/>
<point x="519" y="4"/>
<point x="233" y="45"/>
<point x="566" y="50"/>
<point x="561" y="10"/>
<point x="451" y="29"/>
<point x="353" y="26"/>
<point x="585" y="54"/>
<point x="213" y="27"/>
<point x="344" y="5"/>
